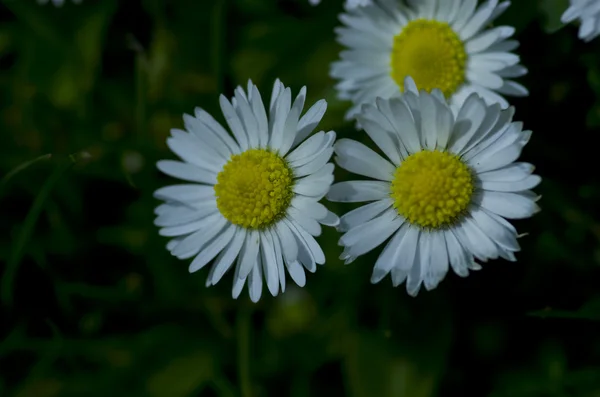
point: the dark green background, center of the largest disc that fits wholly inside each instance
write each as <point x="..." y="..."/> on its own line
<point x="93" y="304"/>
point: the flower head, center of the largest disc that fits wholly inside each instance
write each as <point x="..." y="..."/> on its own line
<point x="253" y="197"/>
<point x="444" y="192"/>
<point x="588" y="12"/>
<point x="439" y="43"/>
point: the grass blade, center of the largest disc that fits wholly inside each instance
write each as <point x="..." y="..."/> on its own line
<point x="6" y="286"/>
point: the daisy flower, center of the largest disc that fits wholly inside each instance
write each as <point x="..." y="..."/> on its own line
<point x="588" y="11"/>
<point x="253" y="196"/>
<point x="443" y="192"/>
<point x="439" y="43"/>
<point x="57" y="3"/>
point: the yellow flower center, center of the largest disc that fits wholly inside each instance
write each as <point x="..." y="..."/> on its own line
<point x="254" y="189"/>
<point x="432" y="189"/>
<point x="432" y="54"/>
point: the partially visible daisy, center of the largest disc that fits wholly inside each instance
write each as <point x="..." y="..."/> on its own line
<point x="588" y="12"/>
<point x="443" y="192"/>
<point x="349" y="4"/>
<point x="253" y="198"/>
<point x="57" y="3"/>
<point x="439" y="43"/>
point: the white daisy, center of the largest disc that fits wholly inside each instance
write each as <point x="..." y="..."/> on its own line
<point x="253" y="196"/>
<point x="57" y="3"/>
<point x="439" y="43"/>
<point x="588" y="11"/>
<point x="443" y="192"/>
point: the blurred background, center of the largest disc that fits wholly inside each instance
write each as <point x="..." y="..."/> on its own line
<point x="93" y="304"/>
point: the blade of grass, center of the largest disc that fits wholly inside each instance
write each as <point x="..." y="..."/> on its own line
<point x="6" y="287"/>
<point x="19" y="168"/>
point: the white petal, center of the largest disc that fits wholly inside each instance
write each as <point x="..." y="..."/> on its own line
<point x="509" y="205"/>
<point x="478" y="20"/>
<point x="469" y="119"/>
<point x="304" y="221"/>
<point x="258" y="108"/>
<point x="190" y="227"/>
<point x="359" y="159"/>
<point x="186" y="171"/>
<point x="390" y="256"/>
<point x="226" y="258"/>
<point x="249" y="253"/>
<point x="528" y="183"/>
<point x="363" y="214"/>
<point x="366" y="237"/>
<point x="317" y="184"/>
<point x="310" y="120"/>
<point x="358" y="191"/>
<point x="288" y="241"/>
<point x="282" y="109"/>
<point x="497" y="232"/>
<point x="457" y="255"/>
<point x="307" y="241"/>
<point x="464" y="14"/>
<point x="195" y="241"/>
<point x="438" y="265"/>
<point x="310" y="149"/>
<point x="191" y="151"/>
<point x="247" y="118"/>
<point x="296" y="272"/>
<point x="217" y="129"/>
<point x="491" y="159"/>
<point x="210" y="250"/>
<point x="511" y="173"/>
<point x="405" y="125"/>
<point x="278" y="258"/>
<point x="381" y="136"/>
<point x="414" y="276"/>
<point x="473" y="238"/>
<point x="269" y="262"/>
<point x="310" y="207"/>
<point x="314" y="164"/>
<point x="185" y="214"/>
<point x="330" y="219"/>
<point x="291" y="123"/>
<point x="185" y="193"/>
<point x="255" y="281"/>
<point x="207" y="136"/>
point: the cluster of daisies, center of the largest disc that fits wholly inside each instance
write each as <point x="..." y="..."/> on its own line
<point x="427" y="80"/>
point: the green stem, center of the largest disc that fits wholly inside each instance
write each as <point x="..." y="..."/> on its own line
<point x="19" y="168"/>
<point x="243" y="336"/>
<point x="6" y="288"/>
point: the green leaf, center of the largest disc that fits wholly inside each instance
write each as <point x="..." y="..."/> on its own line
<point x="19" y="168"/>
<point x="26" y="231"/>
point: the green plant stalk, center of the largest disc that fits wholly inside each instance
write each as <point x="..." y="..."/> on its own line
<point x="6" y="287"/>
<point x="19" y="168"/>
